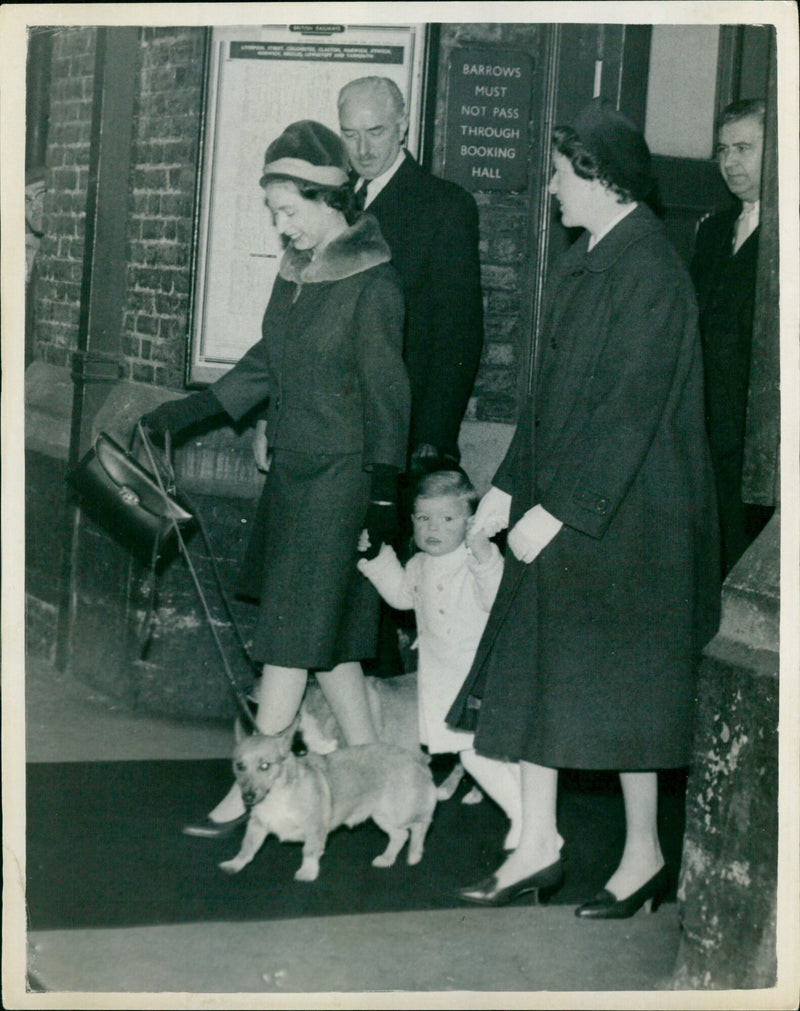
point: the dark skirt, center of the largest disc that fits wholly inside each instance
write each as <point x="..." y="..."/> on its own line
<point x="316" y="610"/>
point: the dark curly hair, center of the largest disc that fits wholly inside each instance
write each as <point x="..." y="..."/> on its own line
<point x="587" y="165"/>
<point x="741" y="110"/>
<point x="340" y="198"/>
<point x="584" y="162"/>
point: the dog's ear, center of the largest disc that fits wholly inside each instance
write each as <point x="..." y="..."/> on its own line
<point x="239" y="733"/>
<point x="286" y="737"/>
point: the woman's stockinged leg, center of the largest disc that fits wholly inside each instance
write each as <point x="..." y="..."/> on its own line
<point x="539" y="843"/>
<point x="346" y="691"/>
<point x="501" y="781"/>
<point x="641" y="856"/>
<point x="279" y="694"/>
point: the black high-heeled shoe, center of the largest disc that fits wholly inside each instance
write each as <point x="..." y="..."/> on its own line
<point x="543" y="883"/>
<point x="606" y="906"/>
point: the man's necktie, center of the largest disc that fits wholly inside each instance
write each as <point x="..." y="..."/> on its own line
<point x="361" y="194"/>
<point x="746" y="224"/>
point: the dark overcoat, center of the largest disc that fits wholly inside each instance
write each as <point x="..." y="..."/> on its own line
<point x="589" y="655"/>
<point x="726" y="288"/>
<point x="431" y="226"/>
<point x="330" y="363"/>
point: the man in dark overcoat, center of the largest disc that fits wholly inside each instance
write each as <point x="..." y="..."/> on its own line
<point x="431" y="227"/>
<point x="724" y="273"/>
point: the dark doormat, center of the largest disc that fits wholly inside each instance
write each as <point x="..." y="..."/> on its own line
<point x="105" y="849"/>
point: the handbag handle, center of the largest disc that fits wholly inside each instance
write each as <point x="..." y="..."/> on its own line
<point x="166" y="463"/>
<point x="241" y="698"/>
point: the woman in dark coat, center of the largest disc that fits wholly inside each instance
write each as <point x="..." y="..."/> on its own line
<point x="330" y="363"/>
<point x="610" y="589"/>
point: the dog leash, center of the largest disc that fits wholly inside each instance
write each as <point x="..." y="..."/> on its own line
<point x="240" y="696"/>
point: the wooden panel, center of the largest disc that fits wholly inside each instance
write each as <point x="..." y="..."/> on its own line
<point x="760" y="479"/>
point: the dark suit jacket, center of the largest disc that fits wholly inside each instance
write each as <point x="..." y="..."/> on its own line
<point x="431" y="226"/>
<point x="726" y="285"/>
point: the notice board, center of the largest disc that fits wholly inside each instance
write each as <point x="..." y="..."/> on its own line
<point x="488" y="119"/>
<point x="260" y="79"/>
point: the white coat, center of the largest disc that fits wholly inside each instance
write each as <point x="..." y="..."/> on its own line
<point x="451" y="596"/>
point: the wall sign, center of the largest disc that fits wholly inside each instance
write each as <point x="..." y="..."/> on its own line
<point x="488" y="119"/>
<point x="260" y="79"/>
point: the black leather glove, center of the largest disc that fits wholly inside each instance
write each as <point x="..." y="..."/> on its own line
<point x="381" y="522"/>
<point x="175" y="415"/>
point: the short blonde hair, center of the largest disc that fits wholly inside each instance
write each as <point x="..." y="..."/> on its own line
<point x="446" y="483"/>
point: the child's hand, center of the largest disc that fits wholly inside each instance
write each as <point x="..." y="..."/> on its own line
<point x="480" y="545"/>
<point x="364" y="542"/>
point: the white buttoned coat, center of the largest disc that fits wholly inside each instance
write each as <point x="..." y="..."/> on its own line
<point x="451" y="596"/>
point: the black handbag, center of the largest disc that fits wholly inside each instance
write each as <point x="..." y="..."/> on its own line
<point x="143" y="511"/>
<point x="137" y="508"/>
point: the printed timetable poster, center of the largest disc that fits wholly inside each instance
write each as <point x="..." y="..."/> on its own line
<point x="260" y="79"/>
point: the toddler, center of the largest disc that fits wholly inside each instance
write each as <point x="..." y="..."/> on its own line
<point x="451" y="584"/>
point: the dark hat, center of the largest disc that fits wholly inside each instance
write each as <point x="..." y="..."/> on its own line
<point x="618" y="145"/>
<point x="307" y="150"/>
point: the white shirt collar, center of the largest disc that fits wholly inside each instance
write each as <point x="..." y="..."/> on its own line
<point x="626" y="210"/>
<point x="746" y="223"/>
<point x="377" y="184"/>
<point x="753" y="209"/>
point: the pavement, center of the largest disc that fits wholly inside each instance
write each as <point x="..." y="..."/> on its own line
<point x="471" y="957"/>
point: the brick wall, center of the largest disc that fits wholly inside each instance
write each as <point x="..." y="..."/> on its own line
<point x="162" y="191"/>
<point x="59" y="260"/>
<point x="166" y="137"/>
<point x="162" y="187"/>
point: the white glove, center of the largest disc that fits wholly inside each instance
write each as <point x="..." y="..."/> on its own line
<point x="532" y="533"/>
<point x="492" y="513"/>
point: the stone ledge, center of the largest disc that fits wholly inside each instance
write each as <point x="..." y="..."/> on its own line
<point x="48" y="409"/>
<point x="751" y="593"/>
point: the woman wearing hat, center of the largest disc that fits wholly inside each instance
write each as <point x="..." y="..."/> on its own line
<point x="330" y="363"/>
<point x="609" y="592"/>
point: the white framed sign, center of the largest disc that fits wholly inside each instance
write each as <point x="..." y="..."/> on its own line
<point x="260" y="79"/>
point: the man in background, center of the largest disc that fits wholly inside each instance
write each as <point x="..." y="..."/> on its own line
<point x="724" y="272"/>
<point x="431" y="226"/>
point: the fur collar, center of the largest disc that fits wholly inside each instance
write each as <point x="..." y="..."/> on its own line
<point x="360" y="247"/>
